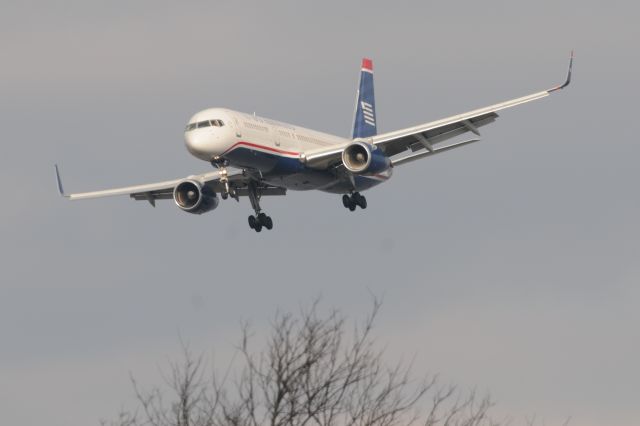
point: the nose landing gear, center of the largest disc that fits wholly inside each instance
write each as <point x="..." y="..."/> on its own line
<point x="222" y="164"/>
<point x="355" y="200"/>
<point x="260" y="220"/>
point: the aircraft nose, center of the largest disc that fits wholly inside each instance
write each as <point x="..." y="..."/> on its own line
<point x="199" y="145"/>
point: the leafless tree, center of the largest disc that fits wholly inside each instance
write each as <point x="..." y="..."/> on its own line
<point x="311" y="372"/>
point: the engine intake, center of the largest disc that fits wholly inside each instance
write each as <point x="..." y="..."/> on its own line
<point x="192" y="197"/>
<point x="359" y="158"/>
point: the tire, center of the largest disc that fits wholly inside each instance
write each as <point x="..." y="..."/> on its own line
<point x="268" y="223"/>
<point x="258" y="227"/>
<point x="358" y="199"/>
<point x="363" y="203"/>
<point x="352" y="207"/>
<point x="346" y="201"/>
<point x="252" y="222"/>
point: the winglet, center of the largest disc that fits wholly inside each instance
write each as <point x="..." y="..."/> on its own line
<point x="568" y="81"/>
<point x="59" y="182"/>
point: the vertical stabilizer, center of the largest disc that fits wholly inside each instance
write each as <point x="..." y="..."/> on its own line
<point x="364" y="124"/>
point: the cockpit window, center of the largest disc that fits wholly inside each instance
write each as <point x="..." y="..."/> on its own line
<point x="206" y="123"/>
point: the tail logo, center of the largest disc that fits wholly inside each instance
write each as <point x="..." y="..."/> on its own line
<point x="367" y="111"/>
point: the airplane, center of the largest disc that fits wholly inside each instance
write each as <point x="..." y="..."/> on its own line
<point x="255" y="156"/>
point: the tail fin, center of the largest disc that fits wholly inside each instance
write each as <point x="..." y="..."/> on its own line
<point x="364" y="123"/>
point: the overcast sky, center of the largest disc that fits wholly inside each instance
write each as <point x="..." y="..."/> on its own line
<point x="510" y="265"/>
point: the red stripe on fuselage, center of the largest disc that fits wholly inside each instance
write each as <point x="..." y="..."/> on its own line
<point x="255" y="145"/>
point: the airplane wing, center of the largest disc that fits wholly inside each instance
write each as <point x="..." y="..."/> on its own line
<point x="164" y="190"/>
<point x="425" y="139"/>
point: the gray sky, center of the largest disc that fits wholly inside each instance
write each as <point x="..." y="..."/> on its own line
<point x="510" y="265"/>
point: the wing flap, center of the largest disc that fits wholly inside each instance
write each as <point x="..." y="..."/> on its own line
<point x="146" y="196"/>
<point x="264" y="191"/>
<point x="422" y="139"/>
<point x="413" y="157"/>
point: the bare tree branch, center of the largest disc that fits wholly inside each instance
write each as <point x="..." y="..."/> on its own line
<point x="309" y="373"/>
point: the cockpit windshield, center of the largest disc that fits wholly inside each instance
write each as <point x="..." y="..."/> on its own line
<point x="205" y="123"/>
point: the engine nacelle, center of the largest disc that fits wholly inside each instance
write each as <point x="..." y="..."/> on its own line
<point x="192" y="197"/>
<point x="359" y="158"/>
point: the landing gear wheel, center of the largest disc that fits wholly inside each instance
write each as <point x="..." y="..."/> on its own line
<point x="224" y="195"/>
<point x="254" y="223"/>
<point x="360" y="200"/>
<point x="265" y="221"/>
<point x="353" y="201"/>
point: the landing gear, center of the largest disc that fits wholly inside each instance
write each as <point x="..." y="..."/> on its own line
<point x="360" y="200"/>
<point x="355" y="200"/>
<point x="260" y="220"/>
<point x="222" y="164"/>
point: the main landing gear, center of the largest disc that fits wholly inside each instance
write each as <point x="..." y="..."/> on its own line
<point x="354" y="200"/>
<point x="260" y="220"/>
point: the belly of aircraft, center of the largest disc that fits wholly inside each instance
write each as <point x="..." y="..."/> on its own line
<point x="290" y="173"/>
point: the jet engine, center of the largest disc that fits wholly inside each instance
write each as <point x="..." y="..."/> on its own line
<point x="194" y="198"/>
<point x="362" y="159"/>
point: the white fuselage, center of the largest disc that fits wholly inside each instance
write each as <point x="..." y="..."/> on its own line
<point x="272" y="148"/>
